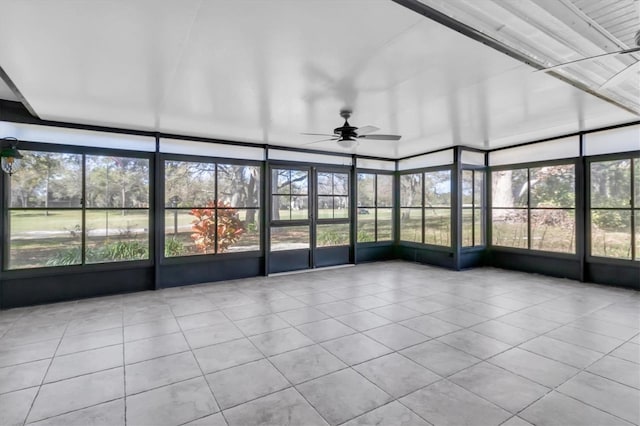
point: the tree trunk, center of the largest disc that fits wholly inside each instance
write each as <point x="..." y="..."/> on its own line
<point x="502" y="193"/>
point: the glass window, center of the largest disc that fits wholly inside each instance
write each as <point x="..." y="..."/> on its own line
<point x="332" y="234"/>
<point x="614" y="208"/>
<point x="437" y="208"/>
<point x="333" y="195"/>
<point x="411" y="201"/>
<point x="290" y="194"/>
<point x="534" y="208"/>
<point x="290" y="238"/>
<point x="47" y="217"/>
<point x="472" y="187"/>
<point x="211" y="208"/>
<point x="375" y="207"/>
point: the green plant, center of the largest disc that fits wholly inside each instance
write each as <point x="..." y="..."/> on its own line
<point x="111" y="252"/>
<point x="365" y="236"/>
<point x="332" y="238"/>
<point x="173" y="247"/>
<point x="120" y="250"/>
<point x="205" y="232"/>
<point x="72" y="256"/>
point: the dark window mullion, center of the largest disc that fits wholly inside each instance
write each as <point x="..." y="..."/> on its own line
<point x="215" y="209"/>
<point x="375" y="203"/>
<point x="83" y="202"/>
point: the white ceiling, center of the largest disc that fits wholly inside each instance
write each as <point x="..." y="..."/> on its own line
<point x="265" y="71"/>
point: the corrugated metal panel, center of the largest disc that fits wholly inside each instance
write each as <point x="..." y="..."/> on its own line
<point x="619" y="17"/>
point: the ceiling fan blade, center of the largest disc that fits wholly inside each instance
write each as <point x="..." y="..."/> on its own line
<point x="620" y="76"/>
<point x="365" y="130"/>
<point x="318" y="134"/>
<point x="322" y="140"/>
<point x="621" y="52"/>
<point x="381" y="137"/>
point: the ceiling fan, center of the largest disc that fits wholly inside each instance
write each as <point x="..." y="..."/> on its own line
<point x="619" y="76"/>
<point x="348" y="136"/>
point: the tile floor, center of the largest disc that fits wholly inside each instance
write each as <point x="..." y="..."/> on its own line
<point x="390" y="343"/>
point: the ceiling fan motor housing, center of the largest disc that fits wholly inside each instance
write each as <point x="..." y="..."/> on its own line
<point x="347" y="131"/>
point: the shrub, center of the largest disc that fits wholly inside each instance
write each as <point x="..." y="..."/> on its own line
<point x="173" y="247"/>
<point x="229" y="230"/>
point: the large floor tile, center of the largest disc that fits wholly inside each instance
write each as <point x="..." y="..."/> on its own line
<point x="14" y="406"/>
<point x="528" y="322"/>
<point x="259" y="325"/>
<point x="27" y="353"/>
<point x="210" y="335"/>
<point x="364" y="320"/>
<point x="444" y="403"/>
<point x="396" y="312"/>
<point x="504" y="332"/>
<point x="392" y="414"/>
<point x="459" y="317"/>
<point x="342" y="395"/>
<point x="440" y="358"/>
<point x="245" y="382"/>
<point x="216" y="419"/>
<point x="279" y="341"/>
<point x="328" y="329"/>
<point x="22" y="376"/>
<point x="557" y="409"/>
<point x="355" y="348"/>
<point x="161" y="371"/>
<point x="561" y="351"/>
<point x="505" y="389"/>
<point x="596" y="325"/>
<point x="76" y="393"/>
<point x="151" y="329"/>
<point x="619" y="370"/>
<point x="285" y="408"/>
<point x="473" y="343"/>
<point x="396" y="336"/>
<point x="224" y="355"/>
<point x="106" y="414"/>
<point x="586" y="339"/>
<point x="87" y="341"/>
<point x="171" y="405"/>
<point x="484" y="310"/>
<point x="607" y="395"/>
<point x="430" y="326"/>
<point x="337" y="308"/>
<point x="302" y="316"/>
<point x="396" y="374"/>
<point x="629" y="351"/>
<point x="541" y="370"/>
<point x="306" y="363"/>
<point x="79" y="363"/>
<point x="141" y="350"/>
<point x="203" y="319"/>
<point x="368" y="302"/>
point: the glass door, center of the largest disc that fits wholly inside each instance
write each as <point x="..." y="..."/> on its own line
<point x="309" y="219"/>
<point x="290" y="219"/>
<point x="332" y="219"/>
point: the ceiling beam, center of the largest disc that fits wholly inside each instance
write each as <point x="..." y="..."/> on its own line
<point x="11" y="85"/>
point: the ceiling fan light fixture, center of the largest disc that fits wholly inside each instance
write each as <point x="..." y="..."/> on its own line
<point x="347" y="143"/>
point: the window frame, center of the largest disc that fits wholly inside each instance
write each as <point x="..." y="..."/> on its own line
<point x="482" y="208"/>
<point x="83" y="266"/>
<point x="634" y="156"/>
<point x="527" y="207"/>
<point x="162" y="208"/>
<point x="451" y="169"/>
<point x="394" y="198"/>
